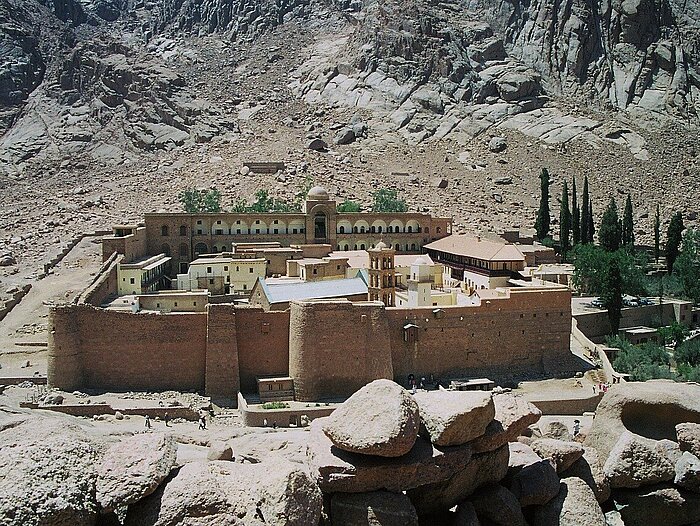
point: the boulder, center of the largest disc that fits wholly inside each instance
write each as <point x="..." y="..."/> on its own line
<point x="344" y="136"/>
<point x="484" y="468"/>
<point x="589" y="469"/>
<point x="290" y="444"/>
<point x="380" y="419"/>
<point x="497" y="144"/>
<point x="465" y="515"/>
<point x="317" y="145"/>
<point x="342" y="471"/>
<point x="521" y="455"/>
<point x="47" y="473"/>
<point x="221" y="492"/>
<point x="376" y="508"/>
<point x="671" y="449"/>
<point x="562" y="454"/>
<point x="190" y="497"/>
<point x="53" y="399"/>
<point x="498" y="505"/>
<point x="133" y="468"/>
<point x="689" y="437"/>
<point x="574" y="505"/>
<point x="637" y="461"/>
<point x="503" y="180"/>
<point x="219" y="451"/>
<point x="555" y="429"/>
<point x="650" y="409"/>
<point x="688" y="472"/>
<point x="452" y="418"/>
<point x="661" y="504"/>
<point x="513" y="415"/>
<point x="536" y="483"/>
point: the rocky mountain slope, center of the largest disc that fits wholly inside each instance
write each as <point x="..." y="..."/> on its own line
<point x="122" y="103"/>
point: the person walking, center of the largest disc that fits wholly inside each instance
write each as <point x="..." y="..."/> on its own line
<point x="148" y="422"/>
<point x="166" y="418"/>
<point x="202" y="422"/>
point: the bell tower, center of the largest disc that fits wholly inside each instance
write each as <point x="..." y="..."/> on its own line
<point x="382" y="279"/>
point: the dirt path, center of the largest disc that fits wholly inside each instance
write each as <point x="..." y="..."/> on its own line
<point x="26" y="323"/>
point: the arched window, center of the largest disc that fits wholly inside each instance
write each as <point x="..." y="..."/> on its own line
<point x="214" y="249"/>
<point x="164" y="230"/>
<point x="341" y="229"/>
<point x="413" y="246"/>
<point x="183" y="230"/>
<point x="362" y="230"/>
<point x="398" y="247"/>
<point x="347" y="247"/>
<point x="320" y="226"/>
<point x="165" y="249"/>
<point x="354" y="230"/>
<point x="389" y="229"/>
<point x="437" y="229"/>
<point x="200" y="248"/>
<point x="183" y="249"/>
<point x="373" y="230"/>
<point x="409" y="229"/>
<point x="362" y="246"/>
<point x="379" y="229"/>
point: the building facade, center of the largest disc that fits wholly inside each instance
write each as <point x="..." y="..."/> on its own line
<point x="185" y="236"/>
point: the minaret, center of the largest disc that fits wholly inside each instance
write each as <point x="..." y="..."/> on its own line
<point x="382" y="286"/>
<point x="420" y="283"/>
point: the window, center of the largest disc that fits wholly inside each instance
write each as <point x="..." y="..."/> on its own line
<point x="437" y="229"/>
<point x="275" y="231"/>
<point x="225" y="268"/>
<point x="199" y="221"/>
<point x="164" y="230"/>
<point x="238" y="231"/>
<point x="199" y="231"/>
<point x="219" y="232"/>
<point x="257" y="230"/>
<point x="208" y="270"/>
<point x="245" y="287"/>
<point x="341" y="229"/>
<point x="211" y="281"/>
<point x="238" y="269"/>
<point x="183" y="230"/>
<point x="183" y="249"/>
<point x="409" y="229"/>
<point x="250" y="270"/>
<point x="218" y="222"/>
<point x="275" y="222"/>
<point x="131" y="280"/>
<point x="165" y="249"/>
<point x="157" y="305"/>
<point x="194" y="303"/>
<point x="176" y="303"/>
<point x="315" y="271"/>
<point x="257" y="221"/>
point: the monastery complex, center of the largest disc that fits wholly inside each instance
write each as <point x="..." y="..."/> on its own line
<point x="314" y="305"/>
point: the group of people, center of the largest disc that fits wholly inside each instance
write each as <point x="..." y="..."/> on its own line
<point x="166" y="419"/>
<point x="602" y="388"/>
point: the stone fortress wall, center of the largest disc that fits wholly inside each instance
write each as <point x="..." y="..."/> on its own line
<point x="330" y="348"/>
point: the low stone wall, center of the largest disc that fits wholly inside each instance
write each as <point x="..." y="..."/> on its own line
<point x="90" y="410"/>
<point x="596" y="325"/>
<point x="15" y="380"/>
<point x="255" y="417"/>
<point x="104" y="284"/>
<point x="16" y="298"/>
<point x="569" y="406"/>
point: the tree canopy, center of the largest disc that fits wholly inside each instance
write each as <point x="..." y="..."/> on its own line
<point x="628" y="223"/>
<point x="610" y="233"/>
<point x="591" y="265"/>
<point x="387" y="200"/>
<point x="265" y="204"/>
<point x="673" y="240"/>
<point x="565" y="223"/>
<point x="542" y="222"/>
<point x="197" y="201"/>
<point x="687" y="265"/>
<point x="348" y="206"/>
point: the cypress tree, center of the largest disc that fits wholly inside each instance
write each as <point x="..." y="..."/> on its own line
<point x="657" y="234"/>
<point x="673" y="240"/>
<point x="543" y="219"/>
<point x="591" y="227"/>
<point x="627" y="224"/>
<point x="575" y="214"/>
<point x="612" y="295"/>
<point x="584" y="212"/>
<point x="609" y="234"/>
<point x="564" y="222"/>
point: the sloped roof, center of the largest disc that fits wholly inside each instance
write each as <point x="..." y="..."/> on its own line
<point x="484" y="249"/>
<point x="307" y="290"/>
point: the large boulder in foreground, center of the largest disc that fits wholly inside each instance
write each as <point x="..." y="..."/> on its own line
<point x="649" y="409"/>
<point x="513" y="415"/>
<point x="498" y="505"/>
<point x="688" y="435"/>
<point x="482" y="469"/>
<point x="47" y="473"/>
<point x="688" y="472"/>
<point x="637" y="461"/>
<point x="562" y="454"/>
<point x="589" y="469"/>
<point x="661" y="504"/>
<point x="575" y="505"/>
<point x="536" y="483"/>
<point x="133" y="468"/>
<point x="453" y="418"/>
<point x="381" y="419"/>
<point x="342" y="471"/>
<point x="278" y="493"/>
<point x="377" y="508"/>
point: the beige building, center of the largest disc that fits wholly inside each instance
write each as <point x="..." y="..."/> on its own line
<point x="223" y="274"/>
<point x="316" y="269"/>
<point x="144" y="275"/>
<point x="163" y="301"/>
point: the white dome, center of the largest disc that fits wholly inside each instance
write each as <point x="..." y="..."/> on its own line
<point x="318" y="193"/>
<point x="380" y="246"/>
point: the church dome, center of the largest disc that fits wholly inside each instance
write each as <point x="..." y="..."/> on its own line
<point x="380" y="246"/>
<point x="318" y="193"/>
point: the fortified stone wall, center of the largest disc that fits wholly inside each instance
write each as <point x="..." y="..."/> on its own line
<point x="525" y="335"/>
<point x="336" y="347"/>
<point x="105" y="284"/>
<point x="102" y="349"/>
<point x="596" y="325"/>
<point x="132" y="246"/>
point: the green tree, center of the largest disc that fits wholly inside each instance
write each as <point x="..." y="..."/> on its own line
<point x="575" y="214"/>
<point x="197" y="201"/>
<point x="674" y="333"/>
<point x="591" y="264"/>
<point x="644" y="362"/>
<point x="348" y="206"/>
<point x="673" y="240"/>
<point x="609" y="233"/>
<point x="688" y="352"/>
<point x="612" y="295"/>
<point x="585" y="209"/>
<point x="657" y="234"/>
<point x="386" y="200"/>
<point x="687" y="265"/>
<point x="628" y="223"/>
<point x="564" y="222"/>
<point x="543" y="220"/>
<point x="591" y="228"/>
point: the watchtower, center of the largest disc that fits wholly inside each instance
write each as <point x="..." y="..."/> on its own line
<point x="382" y="285"/>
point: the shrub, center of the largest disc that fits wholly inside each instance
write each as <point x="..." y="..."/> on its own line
<point x="275" y="405"/>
